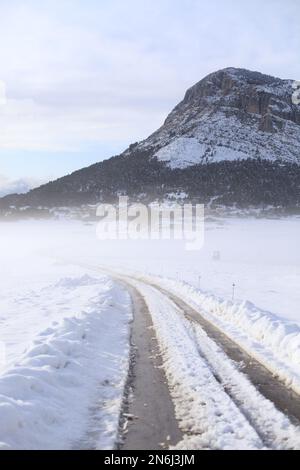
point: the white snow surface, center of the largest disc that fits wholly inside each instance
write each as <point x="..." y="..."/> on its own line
<point x="67" y="347"/>
<point x="181" y="152"/>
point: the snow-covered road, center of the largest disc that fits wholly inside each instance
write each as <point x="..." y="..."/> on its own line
<point x="233" y="376"/>
<point x="218" y="403"/>
<point x="191" y="382"/>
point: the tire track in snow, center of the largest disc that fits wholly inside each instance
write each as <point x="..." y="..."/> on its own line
<point x="208" y="417"/>
<point x="285" y="399"/>
<point x="148" y="419"/>
<point x="273" y="427"/>
<point x="265" y="402"/>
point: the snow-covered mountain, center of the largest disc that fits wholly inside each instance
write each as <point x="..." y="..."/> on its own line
<point x="233" y="140"/>
<point x="232" y="114"/>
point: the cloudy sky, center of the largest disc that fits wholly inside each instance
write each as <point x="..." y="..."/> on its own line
<point x="84" y="78"/>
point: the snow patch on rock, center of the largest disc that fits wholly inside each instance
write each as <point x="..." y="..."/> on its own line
<point x="182" y="152"/>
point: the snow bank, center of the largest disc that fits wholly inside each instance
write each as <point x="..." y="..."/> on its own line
<point x="66" y="390"/>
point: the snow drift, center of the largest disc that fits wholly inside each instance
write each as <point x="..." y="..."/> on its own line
<point x="82" y="362"/>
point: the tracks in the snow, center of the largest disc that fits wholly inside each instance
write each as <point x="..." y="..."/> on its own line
<point x="148" y="419"/>
<point x="284" y="399"/>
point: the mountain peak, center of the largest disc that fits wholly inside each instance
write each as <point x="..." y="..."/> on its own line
<point x="250" y="76"/>
<point x="227" y="79"/>
<point x="231" y="114"/>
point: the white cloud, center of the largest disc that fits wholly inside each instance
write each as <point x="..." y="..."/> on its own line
<point x="98" y="71"/>
<point x="2" y="93"/>
<point x="27" y="125"/>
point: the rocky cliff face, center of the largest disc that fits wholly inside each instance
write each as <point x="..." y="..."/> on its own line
<point x="234" y="140"/>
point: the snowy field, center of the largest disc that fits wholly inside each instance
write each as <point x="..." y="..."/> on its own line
<point x="65" y="326"/>
<point x="261" y="257"/>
